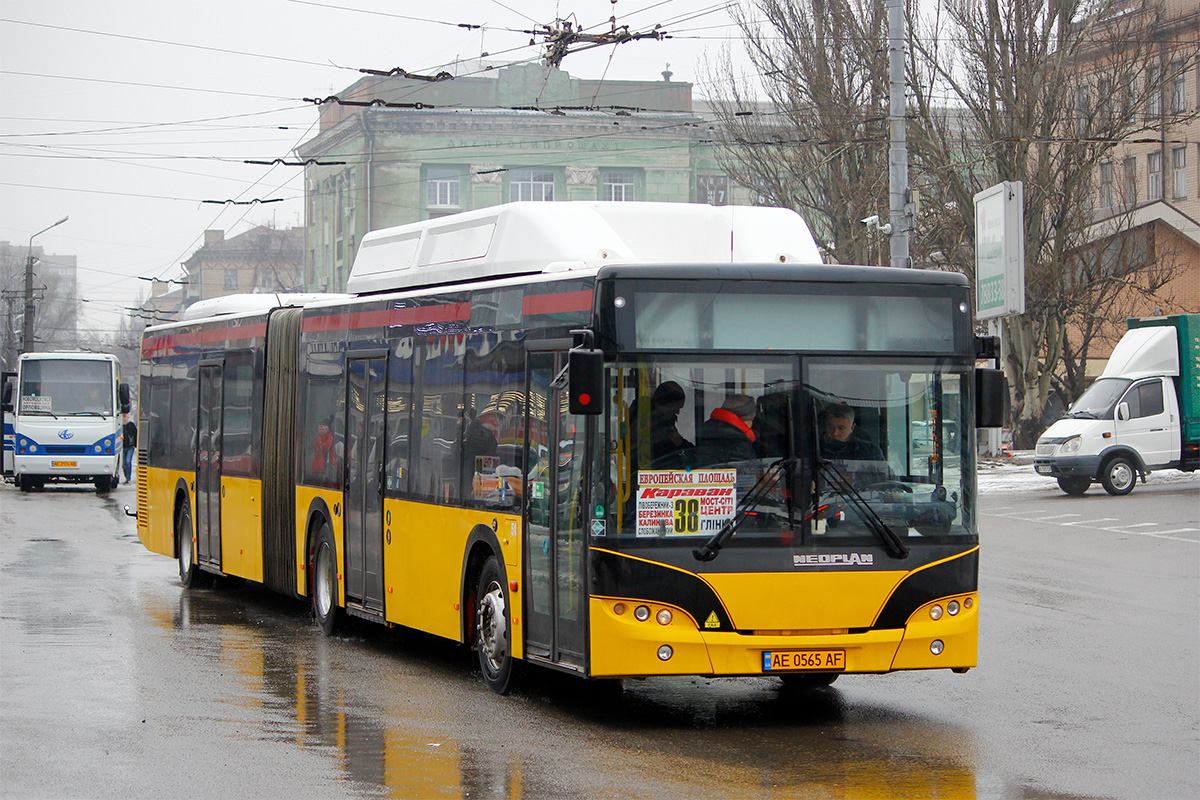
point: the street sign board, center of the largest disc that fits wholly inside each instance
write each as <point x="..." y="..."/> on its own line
<point x="1000" y="251"/>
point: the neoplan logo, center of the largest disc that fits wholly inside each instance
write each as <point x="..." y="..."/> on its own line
<point x="834" y="560"/>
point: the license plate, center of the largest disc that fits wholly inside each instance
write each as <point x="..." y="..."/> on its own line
<point x="64" y="463"/>
<point x="1042" y="469"/>
<point x="789" y="660"/>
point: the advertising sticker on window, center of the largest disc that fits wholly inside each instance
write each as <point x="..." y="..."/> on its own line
<point x="685" y="503"/>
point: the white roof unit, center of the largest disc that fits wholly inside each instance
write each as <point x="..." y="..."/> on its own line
<point x="249" y="304"/>
<point x="521" y="238"/>
<point x="1144" y="352"/>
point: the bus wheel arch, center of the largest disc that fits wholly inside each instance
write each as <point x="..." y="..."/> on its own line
<point x="190" y="574"/>
<point x="322" y="569"/>
<point x="481" y="545"/>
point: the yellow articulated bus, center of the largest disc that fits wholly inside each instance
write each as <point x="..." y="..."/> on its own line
<point x="614" y="439"/>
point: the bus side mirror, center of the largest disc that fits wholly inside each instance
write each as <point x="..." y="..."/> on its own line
<point x="990" y="392"/>
<point x="1122" y="411"/>
<point x="585" y="381"/>
<point x="123" y="397"/>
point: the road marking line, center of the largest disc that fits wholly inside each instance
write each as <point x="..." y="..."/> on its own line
<point x="1139" y="525"/>
<point x="1089" y="521"/>
<point x="1179" y="530"/>
<point x="1061" y="516"/>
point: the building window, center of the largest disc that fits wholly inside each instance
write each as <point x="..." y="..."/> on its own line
<point x="1179" y="171"/>
<point x="442" y="188"/>
<point x="1106" y="185"/>
<point x="1178" y="88"/>
<point x="1130" y="187"/>
<point x="1154" y="167"/>
<point x="1154" y="88"/>
<point x="526" y="184"/>
<point x="618" y="186"/>
<point x="231" y="279"/>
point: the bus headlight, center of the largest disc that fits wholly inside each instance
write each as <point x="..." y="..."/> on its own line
<point x="641" y="613"/>
<point x="952" y="608"/>
<point x="1072" y="445"/>
<point x="98" y="448"/>
<point x="665" y="652"/>
<point x="935" y="612"/>
<point x="936" y="647"/>
<point x="663" y="617"/>
<point x="33" y="448"/>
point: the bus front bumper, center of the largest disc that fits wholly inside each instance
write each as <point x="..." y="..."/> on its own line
<point x="623" y="646"/>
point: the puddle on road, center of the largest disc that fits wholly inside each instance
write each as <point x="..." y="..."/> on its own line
<point x="404" y="717"/>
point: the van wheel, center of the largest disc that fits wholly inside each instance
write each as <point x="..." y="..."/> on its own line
<point x="1074" y="486"/>
<point x="493" y="637"/>
<point x="1118" y="476"/>
<point x="324" y="581"/>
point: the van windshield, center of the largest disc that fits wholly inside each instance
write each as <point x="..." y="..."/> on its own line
<point x="1098" y="401"/>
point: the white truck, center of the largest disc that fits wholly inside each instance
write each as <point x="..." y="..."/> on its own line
<point x="1142" y="414"/>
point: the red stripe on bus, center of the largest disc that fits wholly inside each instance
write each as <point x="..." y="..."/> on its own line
<point x="172" y="341"/>
<point x="557" y="303"/>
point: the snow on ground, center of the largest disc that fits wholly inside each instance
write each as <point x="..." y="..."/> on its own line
<point x="1015" y="474"/>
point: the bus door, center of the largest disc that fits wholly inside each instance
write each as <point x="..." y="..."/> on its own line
<point x="366" y="385"/>
<point x="554" y="516"/>
<point x="8" y="382"/>
<point x="208" y="463"/>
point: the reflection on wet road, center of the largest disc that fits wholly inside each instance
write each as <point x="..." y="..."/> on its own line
<point x="116" y="682"/>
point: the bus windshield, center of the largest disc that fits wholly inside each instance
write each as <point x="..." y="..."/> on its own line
<point x="823" y="448"/>
<point x="66" y="387"/>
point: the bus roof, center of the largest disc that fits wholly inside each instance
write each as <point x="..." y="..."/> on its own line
<point x="529" y="237"/>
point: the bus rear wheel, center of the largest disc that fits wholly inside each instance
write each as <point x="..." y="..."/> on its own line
<point x="324" y="581"/>
<point x="493" y="640"/>
<point x="105" y="483"/>
<point x="190" y="574"/>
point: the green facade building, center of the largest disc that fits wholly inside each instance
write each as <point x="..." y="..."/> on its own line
<point x="392" y="150"/>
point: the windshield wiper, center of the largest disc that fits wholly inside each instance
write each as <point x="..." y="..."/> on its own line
<point x="891" y="542"/>
<point x="758" y="492"/>
<point x="39" y="414"/>
<point x="87" y="414"/>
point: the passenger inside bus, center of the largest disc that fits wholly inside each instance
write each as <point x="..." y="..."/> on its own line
<point x="664" y="437"/>
<point x="727" y="434"/>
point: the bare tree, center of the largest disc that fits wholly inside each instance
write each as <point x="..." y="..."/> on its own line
<point x="1047" y="90"/>
<point x="1038" y="91"/>
<point x="819" y="143"/>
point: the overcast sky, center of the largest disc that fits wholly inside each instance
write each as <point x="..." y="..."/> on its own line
<point x="127" y="115"/>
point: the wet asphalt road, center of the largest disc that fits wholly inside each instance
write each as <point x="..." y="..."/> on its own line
<point x="115" y="682"/>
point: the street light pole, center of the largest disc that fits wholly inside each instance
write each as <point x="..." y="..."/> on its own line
<point x="27" y="327"/>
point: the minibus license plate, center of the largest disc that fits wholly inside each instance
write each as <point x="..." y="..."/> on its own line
<point x="64" y="463"/>
<point x="786" y="660"/>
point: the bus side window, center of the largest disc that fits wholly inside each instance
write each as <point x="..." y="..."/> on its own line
<point x="323" y="424"/>
<point x="492" y="442"/>
<point x="399" y="418"/>
<point x="441" y="426"/>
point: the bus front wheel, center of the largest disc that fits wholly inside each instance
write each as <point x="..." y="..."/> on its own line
<point x="493" y="640"/>
<point x="324" y="581"/>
